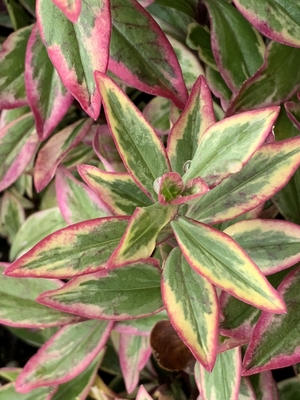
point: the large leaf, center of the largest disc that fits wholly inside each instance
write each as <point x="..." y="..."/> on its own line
<point x="134" y="47"/>
<point x="56" y="149"/>
<point x="227" y="145"/>
<point x="76" y="201"/>
<point x="272" y="245"/>
<point x="275" y="340"/>
<point x="77" y="249"/>
<point x="271" y="85"/>
<point x="55" y="362"/>
<point x="192" y="306"/>
<point x="237" y="47"/>
<point x="18" y="143"/>
<point x="19" y="308"/>
<point x="123" y="293"/>
<point x="77" y="50"/>
<point x="12" y="62"/>
<point x="117" y="190"/>
<point x="188" y="130"/>
<point x="139" y="239"/>
<point x="48" y="98"/>
<point x="222" y="261"/>
<point x="140" y="327"/>
<point x="71" y="9"/>
<point x="224" y="381"/>
<point x="276" y="19"/>
<point x="257" y="182"/>
<point x="9" y="392"/>
<point x="140" y="148"/>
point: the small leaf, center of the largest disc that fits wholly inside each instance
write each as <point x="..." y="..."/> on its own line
<point x="170" y="187"/>
<point x="264" y="386"/>
<point x="140" y="148"/>
<point x="219" y="259"/>
<point x="77" y="249"/>
<point x="12" y="215"/>
<point x="246" y="391"/>
<point x="55" y="362"/>
<point x="140" y="327"/>
<point x="142" y="394"/>
<point x="130" y="292"/>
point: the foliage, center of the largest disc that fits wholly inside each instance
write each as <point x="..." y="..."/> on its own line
<point x="150" y="194"/>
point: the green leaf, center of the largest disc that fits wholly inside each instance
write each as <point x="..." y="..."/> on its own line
<point x="140" y="148"/>
<point x="130" y="292"/>
<point x="251" y="186"/>
<point x="55" y="362"/>
<point x="289" y="389"/>
<point x="118" y="191"/>
<point x="19" y="308"/>
<point x="8" y="392"/>
<point x="18" y="16"/>
<point x="77" y="249"/>
<point x="278" y="20"/>
<point x="221" y="260"/>
<point x="12" y="215"/>
<point x="139" y="239"/>
<point x="192" y="306"/>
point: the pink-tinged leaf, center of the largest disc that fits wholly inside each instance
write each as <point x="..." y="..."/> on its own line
<point x="272" y="245"/>
<point x="228" y="343"/>
<point x="71" y="9"/>
<point x="237" y="47"/>
<point x="105" y="148"/>
<point x="78" y="249"/>
<point x="117" y="190"/>
<point x="278" y="20"/>
<point x="9" y="392"/>
<point x="124" y="293"/>
<point x="12" y="62"/>
<point x="275" y="340"/>
<point x="229" y="144"/>
<point x="192" y="306"/>
<point x="251" y="186"/>
<point x="246" y="391"/>
<point x="79" y="387"/>
<point x="18" y="143"/>
<point x="141" y="150"/>
<point x="233" y="271"/>
<point x="54" y="151"/>
<point x="224" y="380"/>
<point x="293" y="112"/>
<point x="142" y="394"/>
<point x="134" y="47"/>
<point x="48" y="98"/>
<point x="170" y="187"/>
<point x="188" y="130"/>
<point x="140" y="237"/>
<point x="264" y="386"/>
<point x="271" y="85"/>
<point x="77" y="50"/>
<point x="8" y="116"/>
<point x="18" y="306"/>
<point x="194" y="189"/>
<point x="134" y="353"/>
<point x="76" y="201"/>
<point x="140" y="327"/>
<point x="218" y="87"/>
<point x="55" y="363"/>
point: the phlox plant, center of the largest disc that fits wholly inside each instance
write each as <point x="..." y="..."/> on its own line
<point x="150" y="197"/>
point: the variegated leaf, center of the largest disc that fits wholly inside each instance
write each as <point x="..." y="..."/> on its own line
<point x="218" y="87"/>
<point x="251" y="186"/>
<point x="55" y="362"/>
<point x="48" y="98"/>
<point x="222" y="261"/>
<point x="18" y="143"/>
<point x="77" y="50"/>
<point x="140" y="327"/>
<point x="134" y="353"/>
<point x="118" y="191"/>
<point x="264" y="386"/>
<point x="140" y="148"/>
<point x="229" y="144"/>
<point x="134" y="47"/>
<point x="140" y="237"/>
<point x="71" y="9"/>
<point x="188" y="130"/>
<point x="75" y="250"/>
<point x="246" y="391"/>
<point x="12" y="215"/>
<point x="124" y="293"/>
<point x="56" y="149"/>
<point x="76" y="201"/>
<point x="12" y="62"/>
<point x="192" y="306"/>
<point x="275" y="339"/>
<point x="237" y="47"/>
<point x="278" y="20"/>
<point x="224" y="380"/>
<point x="9" y="392"/>
<point x="19" y="308"/>
<point x="272" y="245"/>
<point x="142" y="394"/>
<point x="157" y="112"/>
